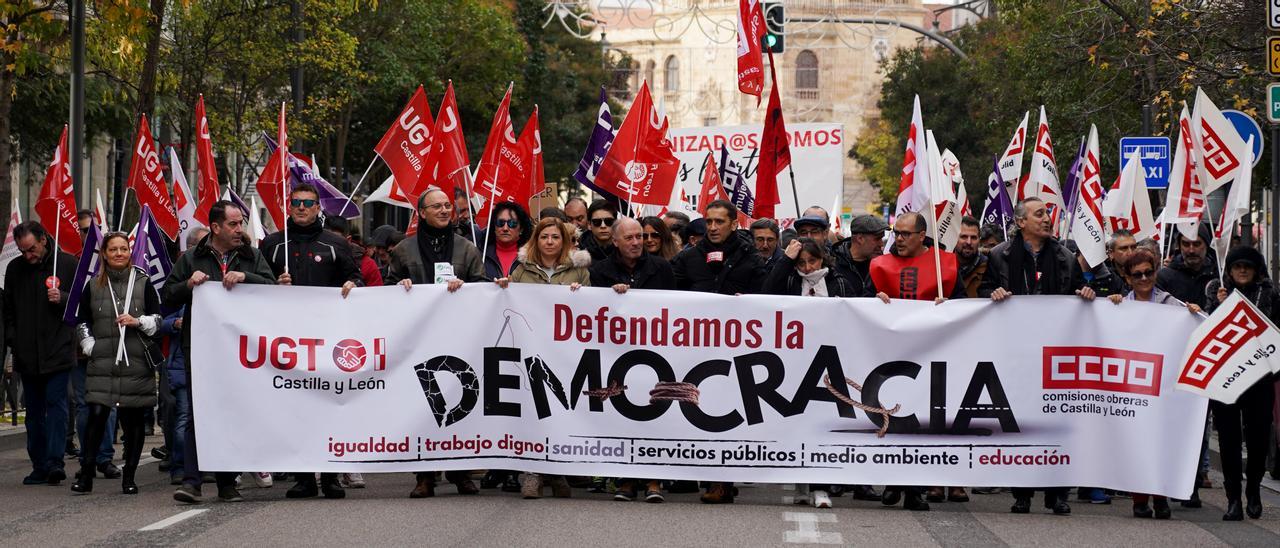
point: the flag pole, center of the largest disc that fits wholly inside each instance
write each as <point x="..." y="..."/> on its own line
<point x="352" y="195"/>
<point x="795" y="197"/>
<point x="284" y="187"/>
<point x="124" y="202"/>
<point x="493" y="191"/>
<point x="937" y="255"/>
<point x="57" y="228"/>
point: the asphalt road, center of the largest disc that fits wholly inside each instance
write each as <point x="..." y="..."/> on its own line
<point x="382" y="515"/>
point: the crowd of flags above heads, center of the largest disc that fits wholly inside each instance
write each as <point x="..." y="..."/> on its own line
<point x="1209" y="154"/>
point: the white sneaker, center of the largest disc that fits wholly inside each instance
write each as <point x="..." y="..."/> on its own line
<point x="263" y="479"/>
<point x="820" y="499"/>
<point x="353" y="480"/>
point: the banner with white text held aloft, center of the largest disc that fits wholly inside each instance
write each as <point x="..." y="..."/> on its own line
<point x="695" y="386"/>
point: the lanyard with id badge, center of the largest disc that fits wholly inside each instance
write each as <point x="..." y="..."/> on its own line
<point x="444" y="273"/>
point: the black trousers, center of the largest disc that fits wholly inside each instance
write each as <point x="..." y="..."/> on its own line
<point x="1051" y="494"/>
<point x="1250" y="416"/>
<point x="132" y="424"/>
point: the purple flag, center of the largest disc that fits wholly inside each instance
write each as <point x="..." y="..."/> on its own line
<point x="86" y="269"/>
<point x="231" y="196"/>
<point x="332" y="200"/>
<point x="149" y="251"/>
<point x="735" y="184"/>
<point x="597" y="147"/>
<point x="1071" y="188"/>
<point x="999" y="210"/>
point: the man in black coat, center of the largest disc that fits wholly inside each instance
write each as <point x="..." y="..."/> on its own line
<point x="852" y="256"/>
<point x="43" y="352"/>
<point x="313" y="257"/>
<point x="721" y="262"/>
<point x="1190" y="271"/>
<point x="629" y="267"/>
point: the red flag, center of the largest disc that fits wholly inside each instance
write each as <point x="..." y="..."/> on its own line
<point x="775" y="153"/>
<point x="640" y="165"/>
<point x="531" y="145"/>
<point x="712" y="188"/>
<point x="147" y="181"/>
<point x="57" y="202"/>
<point x="405" y="145"/>
<point x="501" y="175"/>
<point x="270" y="187"/>
<point x="447" y="163"/>
<point x="750" y="64"/>
<point x="208" y="190"/>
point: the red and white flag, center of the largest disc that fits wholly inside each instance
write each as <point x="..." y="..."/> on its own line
<point x="182" y="201"/>
<point x="1128" y="206"/>
<point x="502" y="175"/>
<point x="405" y="145"/>
<point x="1217" y="144"/>
<point x="1232" y="350"/>
<point x="447" y="165"/>
<point x="1043" y="180"/>
<point x="1087" y="227"/>
<point x="99" y="212"/>
<point x="944" y="223"/>
<point x="273" y="182"/>
<point x="640" y="165"/>
<point x="1011" y="160"/>
<point x="775" y="152"/>
<point x="531" y="146"/>
<point x="1237" y="204"/>
<point x="56" y="205"/>
<point x="750" y="48"/>
<point x="146" y="179"/>
<point x="913" y="188"/>
<point x="955" y="200"/>
<point x="712" y="188"/>
<point x="204" y="164"/>
<point x="1186" y="197"/>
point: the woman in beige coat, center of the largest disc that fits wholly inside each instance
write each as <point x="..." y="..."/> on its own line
<point x="549" y="258"/>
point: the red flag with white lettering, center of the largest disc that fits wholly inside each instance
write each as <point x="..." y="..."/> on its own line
<point x="405" y="145"/>
<point x="204" y="162"/>
<point x="57" y="202"/>
<point x="775" y="152"/>
<point x="501" y="171"/>
<point x="447" y="164"/>
<point x="147" y="181"/>
<point x="750" y="64"/>
<point x="712" y="188"/>
<point x="531" y="146"/>
<point x="640" y="165"/>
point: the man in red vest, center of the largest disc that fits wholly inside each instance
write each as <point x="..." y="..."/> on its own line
<point x="908" y="272"/>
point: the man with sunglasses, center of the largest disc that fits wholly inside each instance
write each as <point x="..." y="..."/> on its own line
<point x="312" y="257"/>
<point x="599" y="240"/>
<point x="43" y="351"/>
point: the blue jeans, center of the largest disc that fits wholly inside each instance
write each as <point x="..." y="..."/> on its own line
<point x="45" y="397"/>
<point x="106" y="451"/>
<point x="181" y="416"/>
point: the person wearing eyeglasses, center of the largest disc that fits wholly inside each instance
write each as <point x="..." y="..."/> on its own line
<point x="42" y="345"/>
<point x="509" y="229"/>
<point x="658" y="239"/>
<point x="313" y="257"/>
<point x="598" y="241"/>
<point x="908" y="271"/>
<point x="816" y="227"/>
<point x="437" y="254"/>
<point x="1249" y="419"/>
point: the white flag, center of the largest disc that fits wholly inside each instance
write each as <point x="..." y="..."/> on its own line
<point x="836" y="226"/>
<point x="1011" y="160"/>
<point x="1236" y="206"/>
<point x="950" y="212"/>
<point x="1230" y="351"/>
<point x="1128" y="206"/>
<point x="256" y="232"/>
<point x="1217" y="144"/>
<point x="1087" y="227"/>
<point x="182" y="201"/>
<point x="1043" y="180"/>
<point x="1186" y="197"/>
<point x="913" y="189"/>
<point x="99" y="212"/>
<point x="10" y="250"/>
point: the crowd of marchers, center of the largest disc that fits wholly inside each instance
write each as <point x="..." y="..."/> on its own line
<point x="123" y="366"/>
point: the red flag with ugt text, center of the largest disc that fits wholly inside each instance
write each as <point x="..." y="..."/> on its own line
<point x="503" y="170"/>
<point x="405" y="145"/>
<point x="775" y="152"/>
<point x="531" y="145"/>
<point x="57" y="202"/>
<point x="640" y="166"/>
<point x="146" y="179"/>
<point x="750" y="64"/>
<point x="447" y="164"/>
<point x="208" y="188"/>
<point x="712" y="189"/>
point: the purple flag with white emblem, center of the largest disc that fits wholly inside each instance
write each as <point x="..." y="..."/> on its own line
<point x="735" y="184"/>
<point x="999" y="210"/>
<point x="86" y="269"/>
<point x="149" y="251"/>
<point x="597" y="147"/>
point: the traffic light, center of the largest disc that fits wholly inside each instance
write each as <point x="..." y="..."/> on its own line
<point x="774" y="18"/>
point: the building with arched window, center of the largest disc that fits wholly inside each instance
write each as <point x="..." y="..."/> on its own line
<point x="671" y="74"/>
<point x="807" y="75"/>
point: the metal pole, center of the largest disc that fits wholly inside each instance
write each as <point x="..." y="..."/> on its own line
<point x="77" y="131"/>
<point x="1275" y="202"/>
<point x="295" y="73"/>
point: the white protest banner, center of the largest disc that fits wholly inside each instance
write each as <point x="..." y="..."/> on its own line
<point x="817" y="156"/>
<point x="1231" y="351"/>
<point x="695" y="386"/>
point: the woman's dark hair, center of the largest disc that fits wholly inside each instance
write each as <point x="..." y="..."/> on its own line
<point x="668" y="248"/>
<point x="1140" y="256"/>
<point x="526" y="224"/>
<point x="813" y="248"/>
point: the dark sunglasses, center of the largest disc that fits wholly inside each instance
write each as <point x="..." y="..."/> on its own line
<point x="603" y="221"/>
<point x="1142" y="274"/>
<point x="651" y="236"/>
<point x="303" y="202"/>
<point x="509" y="223"/>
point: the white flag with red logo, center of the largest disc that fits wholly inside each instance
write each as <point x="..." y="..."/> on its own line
<point x="1231" y="351"/>
<point x="750" y="49"/>
<point x="1236" y="206"/>
<point x="951" y="168"/>
<point x="1087" y="227"/>
<point x="1043" y="180"/>
<point x="99" y="212"/>
<point x="1217" y="144"/>
<point x="1128" y="206"/>
<point x="182" y="200"/>
<point x="405" y="145"/>
<point x="913" y="188"/>
<point x="946" y="212"/>
<point x="1186" y="196"/>
<point x="1010" y="165"/>
<point x="146" y="180"/>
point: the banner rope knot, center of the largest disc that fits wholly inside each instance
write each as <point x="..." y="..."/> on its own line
<point x="826" y="379"/>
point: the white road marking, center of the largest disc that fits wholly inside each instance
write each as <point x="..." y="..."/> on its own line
<point x="174" y="519"/>
<point x="807" y="532"/>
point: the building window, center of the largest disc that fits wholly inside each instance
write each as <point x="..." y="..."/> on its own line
<point x="634" y="77"/>
<point x="649" y="69"/>
<point x="671" y="75"/>
<point x="807" y="75"/>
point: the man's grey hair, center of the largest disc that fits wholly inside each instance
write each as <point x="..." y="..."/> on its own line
<point x="623" y="222"/>
<point x="196" y="235"/>
<point x="1119" y="233"/>
<point x="1020" y="209"/>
